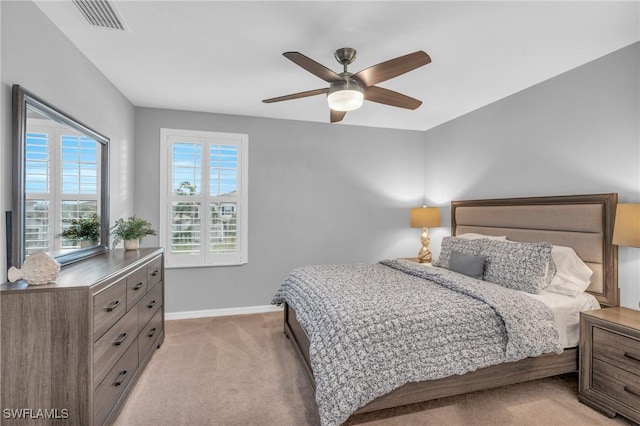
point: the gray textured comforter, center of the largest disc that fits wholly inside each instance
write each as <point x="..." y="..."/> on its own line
<point x="374" y="327"/>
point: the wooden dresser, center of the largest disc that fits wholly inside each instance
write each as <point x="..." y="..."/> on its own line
<point x="610" y="361"/>
<point x="72" y="351"/>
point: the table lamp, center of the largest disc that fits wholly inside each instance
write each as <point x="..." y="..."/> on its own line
<point x="425" y="217"/>
<point x="626" y="229"/>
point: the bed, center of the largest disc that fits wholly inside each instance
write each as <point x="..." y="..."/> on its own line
<point x="582" y="222"/>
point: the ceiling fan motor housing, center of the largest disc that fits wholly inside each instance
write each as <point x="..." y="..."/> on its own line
<point x="345" y="55"/>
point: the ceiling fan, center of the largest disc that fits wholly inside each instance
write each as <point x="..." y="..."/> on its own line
<point x="347" y="91"/>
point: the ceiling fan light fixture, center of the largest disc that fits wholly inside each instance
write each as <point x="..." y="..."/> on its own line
<point x="346" y="96"/>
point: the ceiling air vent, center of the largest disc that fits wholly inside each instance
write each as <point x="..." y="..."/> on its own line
<point x="100" y="13"/>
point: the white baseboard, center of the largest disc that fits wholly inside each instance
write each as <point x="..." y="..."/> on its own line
<point x="221" y="312"/>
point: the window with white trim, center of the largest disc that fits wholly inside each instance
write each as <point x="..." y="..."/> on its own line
<point x="61" y="184"/>
<point x="203" y="198"/>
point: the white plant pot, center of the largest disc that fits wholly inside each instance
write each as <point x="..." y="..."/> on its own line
<point x="87" y="243"/>
<point x="131" y="244"/>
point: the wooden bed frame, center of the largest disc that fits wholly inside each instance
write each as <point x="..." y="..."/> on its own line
<point x="562" y="220"/>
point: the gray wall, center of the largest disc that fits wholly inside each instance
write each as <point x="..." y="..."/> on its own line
<point x="37" y="56"/>
<point x="577" y="133"/>
<point x="318" y="193"/>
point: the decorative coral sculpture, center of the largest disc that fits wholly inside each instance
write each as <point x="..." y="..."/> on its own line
<point x="38" y="269"/>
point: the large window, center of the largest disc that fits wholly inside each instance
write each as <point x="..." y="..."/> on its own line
<point x="203" y="202"/>
<point x="55" y="153"/>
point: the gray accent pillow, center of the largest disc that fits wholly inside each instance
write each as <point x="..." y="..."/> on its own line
<point x="461" y="245"/>
<point x="467" y="264"/>
<point x="519" y="266"/>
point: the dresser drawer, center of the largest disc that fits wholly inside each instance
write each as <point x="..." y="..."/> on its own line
<point x="616" y="383"/>
<point x="108" y="307"/>
<point x="136" y="286"/>
<point x="154" y="272"/>
<point x="149" y="335"/>
<point x="110" y="347"/>
<point x="114" y="384"/>
<point x="149" y="305"/>
<point x="618" y="350"/>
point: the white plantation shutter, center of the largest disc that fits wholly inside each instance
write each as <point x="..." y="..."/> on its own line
<point x="36" y="225"/>
<point x="37" y="233"/>
<point x="48" y="205"/>
<point x="79" y="165"/>
<point x="37" y="161"/>
<point x="79" y="176"/>
<point x="223" y="227"/>
<point x="203" y="216"/>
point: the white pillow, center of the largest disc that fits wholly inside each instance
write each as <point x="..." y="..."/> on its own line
<point x="474" y="236"/>
<point x="572" y="276"/>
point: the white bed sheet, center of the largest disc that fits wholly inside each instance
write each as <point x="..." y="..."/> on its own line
<point x="566" y="313"/>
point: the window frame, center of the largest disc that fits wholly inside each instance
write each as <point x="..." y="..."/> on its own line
<point x="207" y="139"/>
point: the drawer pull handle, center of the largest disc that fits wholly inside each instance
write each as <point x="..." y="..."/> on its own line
<point x="120" y="378"/>
<point x="111" y="306"/>
<point x="630" y="356"/>
<point x="120" y="339"/>
<point x="138" y="286"/>
<point x="151" y="304"/>
<point x="154" y="273"/>
<point x="151" y="332"/>
<point x="632" y="391"/>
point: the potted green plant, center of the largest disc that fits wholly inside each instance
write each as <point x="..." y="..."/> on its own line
<point x="131" y="231"/>
<point x="85" y="230"/>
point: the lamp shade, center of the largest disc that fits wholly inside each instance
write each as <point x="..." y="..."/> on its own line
<point x="626" y="230"/>
<point x="425" y="217"/>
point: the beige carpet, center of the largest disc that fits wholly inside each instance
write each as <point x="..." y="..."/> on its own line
<point x="241" y="370"/>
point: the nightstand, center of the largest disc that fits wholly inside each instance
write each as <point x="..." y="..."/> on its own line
<point x="610" y="361"/>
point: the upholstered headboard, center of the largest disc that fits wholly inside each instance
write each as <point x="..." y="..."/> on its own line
<point x="583" y="222"/>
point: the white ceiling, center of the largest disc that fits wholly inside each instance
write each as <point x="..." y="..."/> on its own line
<point x="225" y="57"/>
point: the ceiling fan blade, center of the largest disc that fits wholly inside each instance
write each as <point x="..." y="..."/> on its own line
<point x="313" y="67"/>
<point x="389" y="97"/>
<point x="337" y="115"/>
<point x="392" y="68"/>
<point x="296" y="96"/>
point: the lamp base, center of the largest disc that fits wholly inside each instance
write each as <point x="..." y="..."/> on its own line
<point x="424" y="255"/>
